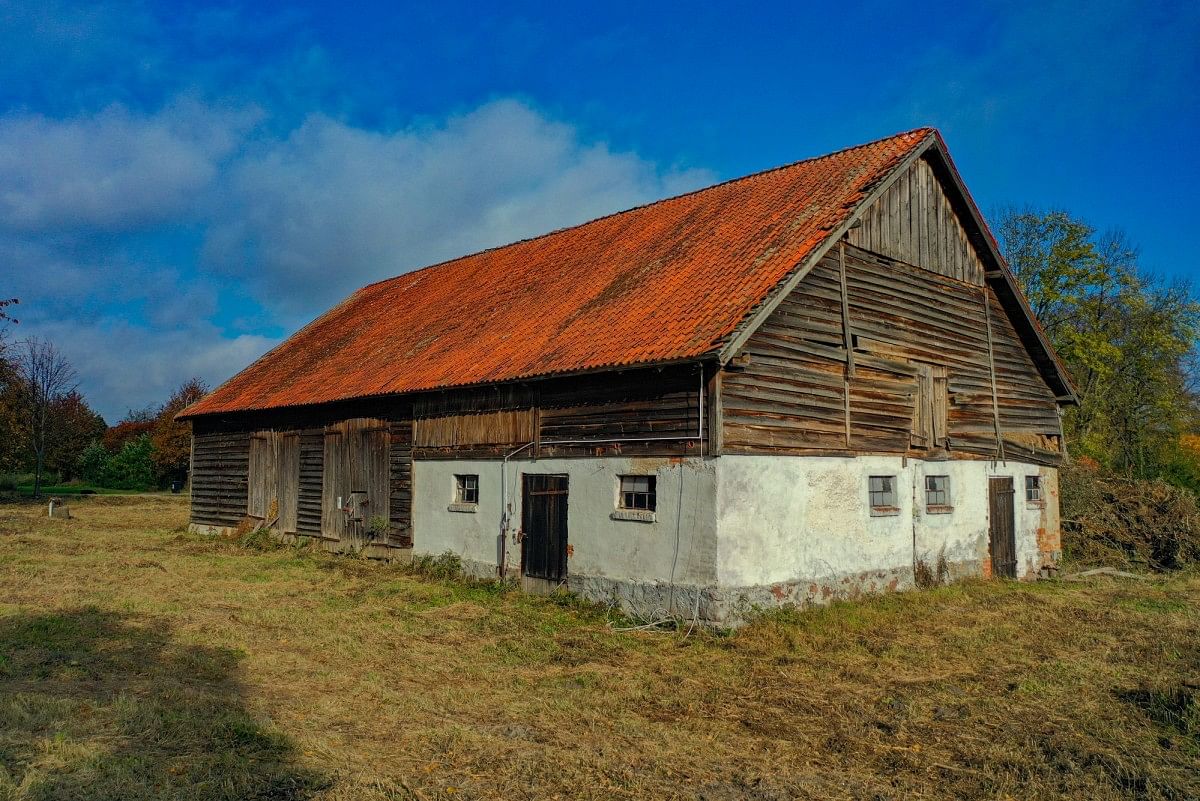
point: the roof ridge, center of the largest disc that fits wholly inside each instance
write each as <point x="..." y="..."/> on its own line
<point x="924" y="130"/>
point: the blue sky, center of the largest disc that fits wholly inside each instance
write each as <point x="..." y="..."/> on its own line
<point x="184" y="184"/>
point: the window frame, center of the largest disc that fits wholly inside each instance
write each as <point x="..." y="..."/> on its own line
<point x="933" y="504"/>
<point x="883" y="509"/>
<point x="649" y="495"/>
<point x="466" y="489"/>
<point x="1034" y="496"/>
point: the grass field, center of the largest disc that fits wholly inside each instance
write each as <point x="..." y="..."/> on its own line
<point x="138" y="661"/>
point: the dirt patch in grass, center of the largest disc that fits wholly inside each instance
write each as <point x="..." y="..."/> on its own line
<point x="140" y="661"/>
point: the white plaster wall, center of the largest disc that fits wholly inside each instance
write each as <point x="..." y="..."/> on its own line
<point x="682" y="536"/>
<point x="785" y="519"/>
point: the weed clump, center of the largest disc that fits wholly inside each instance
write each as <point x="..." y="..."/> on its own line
<point x="446" y="566"/>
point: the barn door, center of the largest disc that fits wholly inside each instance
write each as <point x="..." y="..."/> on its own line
<point x="288" y="488"/>
<point x="263" y="478"/>
<point x="930" y="407"/>
<point x="1001" y="527"/>
<point x="334" y="481"/>
<point x="544" y="523"/>
<point x="356" y="485"/>
<point x="376" y="482"/>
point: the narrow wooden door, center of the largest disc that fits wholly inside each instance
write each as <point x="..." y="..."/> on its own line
<point x="1001" y="527"/>
<point x="288" y="476"/>
<point x="544" y="522"/>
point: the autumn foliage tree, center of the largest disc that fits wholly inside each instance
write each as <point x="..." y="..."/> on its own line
<point x="77" y="426"/>
<point x="172" y="439"/>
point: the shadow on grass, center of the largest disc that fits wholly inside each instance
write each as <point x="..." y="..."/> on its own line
<point x="105" y="706"/>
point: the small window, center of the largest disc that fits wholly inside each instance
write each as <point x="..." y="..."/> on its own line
<point x="1033" y="489"/>
<point x="638" y="492"/>
<point x="937" y="492"/>
<point x="882" y="490"/>
<point x="466" y="489"/>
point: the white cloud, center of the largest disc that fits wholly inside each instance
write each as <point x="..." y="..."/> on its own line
<point x="113" y="170"/>
<point x="125" y="366"/>
<point x="107" y="215"/>
<point x="333" y="207"/>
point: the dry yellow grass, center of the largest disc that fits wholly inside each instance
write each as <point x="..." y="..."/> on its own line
<point x="138" y="661"/>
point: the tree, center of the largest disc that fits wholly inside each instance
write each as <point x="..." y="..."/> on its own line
<point x="173" y="439"/>
<point x="1126" y="336"/>
<point x="78" y="426"/>
<point x="126" y="431"/>
<point x="12" y="435"/>
<point x="5" y="316"/>
<point x="45" y="377"/>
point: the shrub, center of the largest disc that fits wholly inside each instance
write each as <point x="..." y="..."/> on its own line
<point x="131" y="467"/>
<point x="93" y="463"/>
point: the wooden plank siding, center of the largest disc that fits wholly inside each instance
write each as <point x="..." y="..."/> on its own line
<point x="369" y="447"/>
<point x="916" y="223"/>
<point x="400" y="457"/>
<point x="220" y="466"/>
<point x="312" y="461"/>
<point x="921" y="376"/>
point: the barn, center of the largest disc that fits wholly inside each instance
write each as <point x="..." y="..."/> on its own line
<point x="812" y="382"/>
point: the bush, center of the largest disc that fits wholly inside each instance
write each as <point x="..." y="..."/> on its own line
<point x="93" y="463"/>
<point x="1109" y="520"/>
<point x="131" y="467"/>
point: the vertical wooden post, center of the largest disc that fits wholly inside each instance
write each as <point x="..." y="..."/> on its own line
<point x="847" y="339"/>
<point x="987" y="316"/>
<point x="847" y="336"/>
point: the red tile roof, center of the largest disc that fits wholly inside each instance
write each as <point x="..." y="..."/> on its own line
<point x="668" y="281"/>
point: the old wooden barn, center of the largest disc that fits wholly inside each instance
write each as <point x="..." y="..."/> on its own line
<point x="807" y="383"/>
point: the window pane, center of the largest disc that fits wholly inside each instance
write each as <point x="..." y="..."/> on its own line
<point x="637" y="492"/>
<point x="882" y="491"/>
<point x="1033" y="488"/>
<point x="466" y="488"/>
<point x="937" y="490"/>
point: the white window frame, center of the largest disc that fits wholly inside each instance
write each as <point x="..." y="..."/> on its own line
<point x="650" y="493"/>
<point x="465" y="485"/>
<point x="947" y="504"/>
<point x="892" y="488"/>
<point x="1034" y="495"/>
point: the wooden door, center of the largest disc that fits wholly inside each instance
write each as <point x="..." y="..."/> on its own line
<point x="377" y="482"/>
<point x="1001" y="527"/>
<point x="544" y="523"/>
<point x="288" y="491"/>
<point x="334" y="484"/>
<point x="263" y="482"/>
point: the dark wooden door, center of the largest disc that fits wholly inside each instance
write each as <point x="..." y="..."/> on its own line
<point x="544" y="523"/>
<point x="1001" y="527"/>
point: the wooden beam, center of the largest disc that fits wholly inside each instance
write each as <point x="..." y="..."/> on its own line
<point x="847" y="335"/>
<point x="987" y="316"/>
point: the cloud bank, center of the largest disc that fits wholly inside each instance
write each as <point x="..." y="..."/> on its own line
<point x="187" y="241"/>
